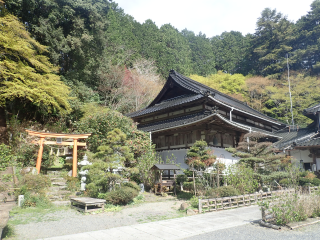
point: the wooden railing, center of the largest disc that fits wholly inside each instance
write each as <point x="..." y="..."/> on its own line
<point x="215" y="204"/>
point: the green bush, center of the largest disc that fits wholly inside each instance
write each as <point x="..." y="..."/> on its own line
<point x="316" y="182"/>
<point x="35" y="183"/>
<point x="36" y="200"/>
<point x="132" y="184"/>
<point x="224" y="191"/>
<point x="194" y="202"/>
<point x="93" y="191"/>
<point x="304" y="181"/>
<point x="73" y="184"/>
<point x="285" y="182"/>
<point x="121" y="196"/>
<point x="181" y="178"/>
<point x="188" y="186"/>
<point x="6" y="156"/>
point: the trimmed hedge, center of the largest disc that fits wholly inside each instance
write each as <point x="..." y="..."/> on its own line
<point x="132" y="184"/>
<point x="121" y="196"/>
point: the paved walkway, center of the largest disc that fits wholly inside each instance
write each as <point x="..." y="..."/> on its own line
<point x="177" y="228"/>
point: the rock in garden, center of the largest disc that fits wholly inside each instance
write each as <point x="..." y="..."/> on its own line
<point x="28" y="170"/>
<point x="184" y="206"/>
<point x="190" y="212"/>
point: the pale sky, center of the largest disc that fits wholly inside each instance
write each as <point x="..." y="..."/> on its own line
<point x="211" y="17"/>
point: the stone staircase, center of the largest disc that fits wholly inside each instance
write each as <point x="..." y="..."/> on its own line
<point x="58" y="191"/>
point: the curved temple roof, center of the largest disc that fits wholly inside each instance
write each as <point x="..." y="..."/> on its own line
<point x="196" y="91"/>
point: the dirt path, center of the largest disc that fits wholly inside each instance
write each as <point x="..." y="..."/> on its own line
<point x="34" y="225"/>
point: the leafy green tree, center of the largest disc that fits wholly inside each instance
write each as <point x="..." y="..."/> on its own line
<point x="27" y="77"/>
<point x="230" y="49"/>
<point x="233" y="85"/>
<point x="72" y="29"/>
<point x="202" y="57"/>
<point x="305" y="91"/>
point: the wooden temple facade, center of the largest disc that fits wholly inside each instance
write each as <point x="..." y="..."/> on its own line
<point x="186" y="111"/>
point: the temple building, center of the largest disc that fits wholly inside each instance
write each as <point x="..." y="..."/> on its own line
<point x="303" y="144"/>
<point x="186" y="111"/>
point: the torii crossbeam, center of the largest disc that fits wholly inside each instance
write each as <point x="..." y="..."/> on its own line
<point x="75" y="144"/>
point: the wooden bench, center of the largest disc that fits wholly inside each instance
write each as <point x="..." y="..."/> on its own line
<point x="87" y="204"/>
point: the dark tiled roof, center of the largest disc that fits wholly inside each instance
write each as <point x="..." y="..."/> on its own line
<point x="312" y="110"/>
<point x="309" y="142"/>
<point x="167" y="104"/>
<point x="289" y="138"/>
<point x="201" y="89"/>
<point x="165" y="167"/>
<point x="174" y="122"/>
<point x="196" y="86"/>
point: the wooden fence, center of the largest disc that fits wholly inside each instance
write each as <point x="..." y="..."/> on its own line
<point x="215" y="204"/>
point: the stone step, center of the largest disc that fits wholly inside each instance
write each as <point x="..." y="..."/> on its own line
<point x="53" y="173"/>
<point x="61" y="203"/>
<point x="57" y="188"/>
<point x="62" y="192"/>
<point x="58" y="184"/>
<point x="57" y="179"/>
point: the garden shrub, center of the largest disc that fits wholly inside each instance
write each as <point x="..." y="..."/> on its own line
<point x="92" y="190"/>
<point x="181" y="178"/>
<point x="194" y="202"/>
<point x="73" y="184"/>
<point x="121" y="196"/>
<point x="285" y="182"/>
<point x="304" y="181"/>
<point x="132" y="184"/>
<point x="35" y="183"/>
<point x="316" y="182"/>
<point x="6" y="156"/>
<point x="35" y="200"/>
<point x="224" y="191"/>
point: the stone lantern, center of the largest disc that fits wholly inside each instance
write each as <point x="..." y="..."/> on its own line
<point x="83" y="173"/>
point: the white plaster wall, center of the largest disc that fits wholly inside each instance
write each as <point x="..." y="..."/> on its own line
<point x="222" y="155"/>
<point x="301" y="155"/>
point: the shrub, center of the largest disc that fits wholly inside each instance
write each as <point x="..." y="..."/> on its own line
<point x="181" y="178"/>
<point x="294" y="208"/>
<point x="188" y="186"/>
<point x="35" y="200"/>
<point x="194" y="202"/>
<point x="121" y="196"/>
<point x="132" y="184"/>
<point x="35" y="183"/>
<point x="304" y="181"/>
<point x="73" y="184"/>
<point x="285" y="182"/>
<point x="6" y="156"/>
<point x="224" y="191"/>
<point x="316" y="182"/>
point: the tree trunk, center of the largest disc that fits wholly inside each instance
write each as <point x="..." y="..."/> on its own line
<point x="3" y="126"/>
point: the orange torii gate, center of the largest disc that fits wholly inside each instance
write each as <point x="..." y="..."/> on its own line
<point x="59" y="136"/>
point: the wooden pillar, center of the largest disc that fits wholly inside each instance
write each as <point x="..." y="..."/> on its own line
<point x="74" y="159"/>
<point x="39" y="159"/>
<point x="160" y="181"/>
<point x="174" y="179"/>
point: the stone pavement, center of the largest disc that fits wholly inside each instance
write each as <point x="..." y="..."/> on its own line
<point x="178" y="228"/>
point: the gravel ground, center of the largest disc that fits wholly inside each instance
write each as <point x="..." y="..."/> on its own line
<point x="256" y="232"/>
<point x="58" y="223"/>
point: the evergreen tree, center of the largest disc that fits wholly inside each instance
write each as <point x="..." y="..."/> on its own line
<point x="271" y="43"/>
<point x="230" y="49"/>
<point x="202" y="57"/>
<point x="306" y="50"/>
